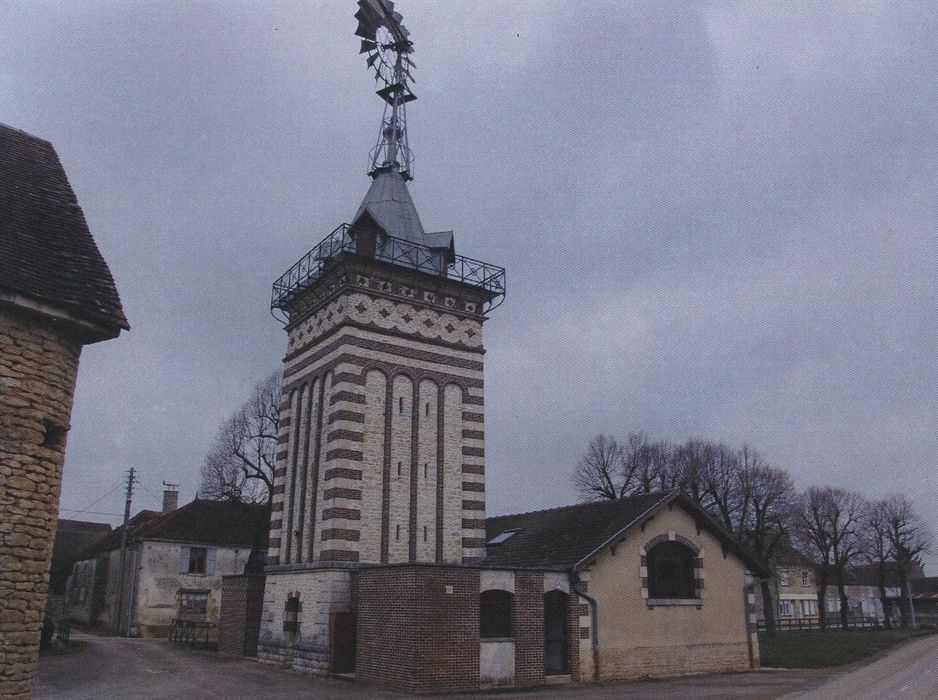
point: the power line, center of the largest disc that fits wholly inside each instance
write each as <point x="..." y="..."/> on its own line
<point x="96" y="501"/>
<point x="90" y="512"/>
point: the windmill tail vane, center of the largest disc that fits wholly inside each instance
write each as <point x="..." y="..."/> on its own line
<point x="385" y="40"/>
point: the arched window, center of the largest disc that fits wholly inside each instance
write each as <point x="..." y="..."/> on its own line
<point x="495" y="614"/>
<point x="671" y="571"/>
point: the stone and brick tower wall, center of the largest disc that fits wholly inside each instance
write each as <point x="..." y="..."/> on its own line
<point x="381" y="454"/>
<point x="56" y="295"/>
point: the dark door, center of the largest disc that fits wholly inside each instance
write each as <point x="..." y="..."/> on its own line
<point x="342" y="640"/>
<point x="555" y="633"/>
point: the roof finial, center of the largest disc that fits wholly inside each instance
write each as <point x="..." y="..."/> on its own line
<point x="385" y="41"/>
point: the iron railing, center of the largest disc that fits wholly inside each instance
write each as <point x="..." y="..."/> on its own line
<point x="396" y="251"/>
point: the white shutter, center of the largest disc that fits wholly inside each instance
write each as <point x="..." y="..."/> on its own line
<point x="183" y="560"/>
<point x="210" y="561"/>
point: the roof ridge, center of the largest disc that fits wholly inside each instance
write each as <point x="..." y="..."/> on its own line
<point x="584" y="504"/>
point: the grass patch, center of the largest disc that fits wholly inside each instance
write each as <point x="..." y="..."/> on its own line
<point x="821" y="649"/>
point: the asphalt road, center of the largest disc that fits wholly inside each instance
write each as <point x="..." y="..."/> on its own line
<point x="110" y="667"/>
<point x="910" y="672"/>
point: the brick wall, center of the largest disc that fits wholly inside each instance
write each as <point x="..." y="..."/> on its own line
<point x="529" y="628"/>
<point x="239" y="620"/>
<point x="418" y="628"/>
<point x="38" y="364"/>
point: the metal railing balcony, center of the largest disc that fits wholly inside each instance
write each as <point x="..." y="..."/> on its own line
<point x="340" y="245"/>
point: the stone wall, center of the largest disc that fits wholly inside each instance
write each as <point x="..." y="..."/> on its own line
<point x="38" y="364"/>
<point x="239" y="622"/>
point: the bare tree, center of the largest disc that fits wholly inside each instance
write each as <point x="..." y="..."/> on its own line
<point x="600" y="473"/>
<point x="844" y="515"/>
<point x="814" y="535"/>
<point x="240" y="463"/>
<point x="909" y="539"/>
<point x="877" y="549"/>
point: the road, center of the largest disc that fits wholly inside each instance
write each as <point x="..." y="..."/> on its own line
<point x="910" y="672"/>
<point x="109" y="667"/>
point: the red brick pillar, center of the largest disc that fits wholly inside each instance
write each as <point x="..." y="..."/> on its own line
<point x="529" y="628"/>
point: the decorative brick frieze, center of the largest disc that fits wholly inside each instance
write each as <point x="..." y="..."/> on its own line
<point x="341" y="513"/>
<point x="343" y="473"/>
<point x="335" y="533"/>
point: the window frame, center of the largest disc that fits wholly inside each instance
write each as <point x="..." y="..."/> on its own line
<point x="190" y="595"/>
<point x="194" y="561"/>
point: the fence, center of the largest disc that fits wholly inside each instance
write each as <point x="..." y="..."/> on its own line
<point x="807" y="624"/>
<point x="192" y="632"/>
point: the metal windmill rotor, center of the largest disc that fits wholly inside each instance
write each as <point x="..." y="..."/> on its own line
<point x="384" y="39"/>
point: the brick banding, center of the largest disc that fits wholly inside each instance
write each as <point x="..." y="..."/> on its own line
<point x="440" y="395"/>
<point x="473" y="451"/>
<point x="350" y="416"/>
<point x="281" y="472"/>
<point x="338" y="492"/>
<point x="414" y="466"/>
<point x="473" y="524"/>
<point x="285" y="422"/>
<point x="280" y="457"/>
<point x="276" y="524"/>
<point x="337" y="533"/>
<point x="278" y="489"/>
<point x="473" y="542"/>
<point x="386" y="471"/>
<point x="473" y="505"/>
<point x="349" y="378"/>
<point x="338" y="555"/>
<point x="470" y="400"/>
<point x="473" y="469"/>
<point x="470" y="417"/>
<point x="473" y="486"/>
<point x="342" y="434"/>
<point x="349" y="396"/>
<point x="343" y="453"/>
<point x="317" y="451"/>
<point x="343" y="473"/>
<point x="473" y="435"/>
<point x="276" y="507"/>
<point x="274" y="543"/>
<point x="283" y="438"/>
<point x="344" y="513"/>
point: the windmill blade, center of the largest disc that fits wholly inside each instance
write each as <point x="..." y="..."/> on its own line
<point x="370" y="16"/>
<point x="371" y="59"/>
<point x="368" y="45"/>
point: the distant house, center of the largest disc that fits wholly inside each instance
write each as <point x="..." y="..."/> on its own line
<point x="173" y="566"/>
<point x="793" y="587"/>
<point x="925" y="599"/>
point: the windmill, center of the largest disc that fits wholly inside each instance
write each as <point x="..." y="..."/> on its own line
<point x="384" y="40"/>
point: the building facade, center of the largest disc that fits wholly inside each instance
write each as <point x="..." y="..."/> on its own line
<point x="56" y="295"/>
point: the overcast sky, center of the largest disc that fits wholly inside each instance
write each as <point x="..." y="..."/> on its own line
<point x="718" y="219"/>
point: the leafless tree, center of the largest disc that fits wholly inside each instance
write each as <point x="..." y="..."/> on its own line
<point x="600" y="473"/>
<point x="909" y="538"/>
<point x="844" y="523"/>
<point x="877" y="549"/>
<point x="814" y="537"/>
<point x="240" y="463"/>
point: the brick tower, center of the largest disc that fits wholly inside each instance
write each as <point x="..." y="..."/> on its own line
<point x="381" y="457"/>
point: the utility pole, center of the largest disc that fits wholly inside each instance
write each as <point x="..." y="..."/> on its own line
<point x="119" y="617"/>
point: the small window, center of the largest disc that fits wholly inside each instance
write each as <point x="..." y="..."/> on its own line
<point x="671" y="571"/>
<point x="784" y="578"/>
<point x="193" y="605"/>
<point x="495" y="612"/>
<point x="424" y="533"/>
<point x="426" y="470"/>
<point x="786" y="608"/>
<point x="54" y="435"/>
<point x="426" y="410"/>
<point x="398" y="468"/>
<point x="397" y="532"/>
<point x="805" y="579"/>
<point x="400" y="405"/>
<point x="197" y="557"/>
<point x="808" y="608"/>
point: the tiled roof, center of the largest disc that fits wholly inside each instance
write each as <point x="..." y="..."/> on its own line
<point x="213" y="522"/>
<point x="568" y="537"/>
<point x="389" y="204"/>
<point x="72" y="538"/>
<point x="112" y="540"/>
<point x="47" y="253"/>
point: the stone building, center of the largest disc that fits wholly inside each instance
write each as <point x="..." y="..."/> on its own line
<point x="56" y="295"/>
<point x="174" y="567"/>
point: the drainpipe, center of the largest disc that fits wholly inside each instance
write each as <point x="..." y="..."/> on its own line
<point x="594" y="620"/>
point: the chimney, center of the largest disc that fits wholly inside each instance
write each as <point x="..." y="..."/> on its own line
<point x="170" y="497"/>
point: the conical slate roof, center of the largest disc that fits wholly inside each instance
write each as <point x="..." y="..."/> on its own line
<point x="389" y="204"/>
